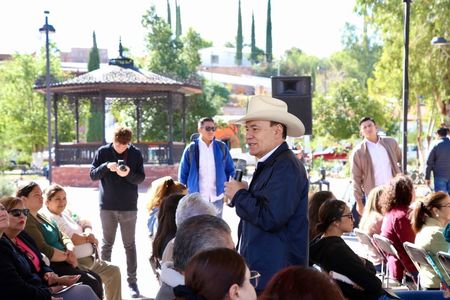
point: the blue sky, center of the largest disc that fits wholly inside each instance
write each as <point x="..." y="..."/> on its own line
<point x="315" y="26"/>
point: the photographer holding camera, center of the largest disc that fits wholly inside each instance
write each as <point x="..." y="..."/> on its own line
<point x="119" y="167"/>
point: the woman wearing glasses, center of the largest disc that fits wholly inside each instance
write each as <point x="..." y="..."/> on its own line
<point x="85" y="243"/>
<point x="55" y="245"/>
<point x="429" y="219"/>
<point x="331" y="253"/>
<point x="23" y="274"/>
<point x="217" y="274"/>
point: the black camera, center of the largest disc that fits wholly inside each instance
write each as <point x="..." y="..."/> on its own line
<point x="121" y="165"/>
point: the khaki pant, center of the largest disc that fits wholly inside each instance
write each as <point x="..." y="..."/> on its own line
<point x="110" y="275"/>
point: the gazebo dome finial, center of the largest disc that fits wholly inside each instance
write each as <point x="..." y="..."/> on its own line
<point x="122" y="61"/>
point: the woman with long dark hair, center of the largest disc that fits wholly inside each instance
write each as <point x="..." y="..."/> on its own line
<point x="217" y="274"/>
<point x="331" y="253"/>
<point x="429" y="219"/>
<point x="314" y="203"/>
<point x="396" y="225"/>
<point x="51" y="241"/>
<point x="23" y="274"/>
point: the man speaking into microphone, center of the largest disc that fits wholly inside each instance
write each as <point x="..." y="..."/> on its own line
<point x="273" y="231"/>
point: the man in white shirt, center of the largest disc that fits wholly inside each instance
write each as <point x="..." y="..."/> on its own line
<point x="206" y="165"/>
<point x="373" y="162"/>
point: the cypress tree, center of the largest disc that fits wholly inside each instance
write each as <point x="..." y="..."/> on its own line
<point x="253" y="55"/>
<point x="94" y="56"/>
<point x="178" y="31"/>
<point x="169" y="18"/>
<point x="95" y="128"/>
<point x="239" y="38"/>
<point x="269" y="34"/>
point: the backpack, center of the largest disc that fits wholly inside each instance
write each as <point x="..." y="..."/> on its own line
<point x="221" y="145"/>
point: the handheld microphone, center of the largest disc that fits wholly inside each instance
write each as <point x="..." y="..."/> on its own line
<point x="238" y="175"/>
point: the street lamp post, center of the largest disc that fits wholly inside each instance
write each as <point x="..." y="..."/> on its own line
<point x="47" y="28"/>
<point x="440" y="41"/>
<point x="405" y="86"/>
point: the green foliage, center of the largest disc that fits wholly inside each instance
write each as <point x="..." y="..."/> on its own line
<point x="239" y="37"/>
<point x="337" y="114"/>
<point x="95" y="128"/>
<point x="178" y="30"/>
<point x="429" y="67"/>
<point x="269" y="56"/>
<point x="94" y="56"/>
<point x="253" y="53"/>
<point x="6" y="187"/>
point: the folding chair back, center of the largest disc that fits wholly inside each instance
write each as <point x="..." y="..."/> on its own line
<point x="367" y="242"/>
<point x="385" y="245"/>
<point x="444" y="260"/>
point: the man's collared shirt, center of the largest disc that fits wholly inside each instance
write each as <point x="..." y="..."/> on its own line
<point x="207" y="171"/>
<point x="265" y="157"/>
<point x="380" y="162"/>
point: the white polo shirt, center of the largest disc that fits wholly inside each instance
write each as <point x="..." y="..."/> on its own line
<point x="207" y="172"/>
<point x="380" y="162"/>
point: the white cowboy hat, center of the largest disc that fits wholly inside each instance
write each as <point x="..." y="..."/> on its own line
<point x="266" y="108"/>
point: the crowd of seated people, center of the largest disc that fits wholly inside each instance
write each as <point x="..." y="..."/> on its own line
<point x="195" y="251"/>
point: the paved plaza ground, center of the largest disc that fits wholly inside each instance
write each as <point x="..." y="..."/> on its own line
<point x="84" y="201"/>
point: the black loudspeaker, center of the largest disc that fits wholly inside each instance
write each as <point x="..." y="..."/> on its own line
<point x="296" y="92"/>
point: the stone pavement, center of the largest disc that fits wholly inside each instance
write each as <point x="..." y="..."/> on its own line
<point x="84" y="201"/>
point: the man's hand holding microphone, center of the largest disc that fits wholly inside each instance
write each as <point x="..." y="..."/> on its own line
<point x="233" y="185"/>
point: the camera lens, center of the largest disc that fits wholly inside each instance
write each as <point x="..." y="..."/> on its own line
<point x="122" y="168"/>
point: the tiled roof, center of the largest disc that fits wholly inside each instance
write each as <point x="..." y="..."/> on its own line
<point x="115" y="74"/>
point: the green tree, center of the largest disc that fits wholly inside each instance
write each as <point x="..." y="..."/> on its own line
<point x="169" y="17"/>
<point x="239" y="38"/>
<point x="269" y="33"/>
<point x="253" y="54"/>
<point x="95" y="126"/>
<point x="178" y="30"/>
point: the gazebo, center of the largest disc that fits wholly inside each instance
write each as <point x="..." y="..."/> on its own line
<point x="119" y="80"/>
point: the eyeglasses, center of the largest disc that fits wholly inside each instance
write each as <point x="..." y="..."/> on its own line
<point x="254" y="278"/>
<point x="350" y="216"/>
<point x="445" y="205"/>
<point x="210" y="128"/>
<point x="16" y="212"/>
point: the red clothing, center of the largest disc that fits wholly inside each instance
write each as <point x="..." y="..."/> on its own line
<point x="397" y="228"/>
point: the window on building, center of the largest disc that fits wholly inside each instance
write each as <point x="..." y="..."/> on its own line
<point x="214" y="59"/>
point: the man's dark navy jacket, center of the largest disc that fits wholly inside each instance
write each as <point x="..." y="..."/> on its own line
<point x="274" y="215"/>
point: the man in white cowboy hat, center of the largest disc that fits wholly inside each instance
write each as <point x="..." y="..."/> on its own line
<point x="273" y="231"/>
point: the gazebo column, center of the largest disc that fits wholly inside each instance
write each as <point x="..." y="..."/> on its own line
<point x="170" y="119"/>
<point x="137" y="102"/>
<point x="77" y="119"/>
<point x="103" y="104"/>
<point x="183" y="117"/>
<point x="55" y="112"/>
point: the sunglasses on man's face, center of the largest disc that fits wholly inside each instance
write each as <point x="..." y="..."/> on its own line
<point x="210" y="128"/>
<point x="16" y="212"/>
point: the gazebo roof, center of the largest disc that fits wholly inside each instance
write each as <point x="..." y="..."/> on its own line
<point x="116" y="79"/>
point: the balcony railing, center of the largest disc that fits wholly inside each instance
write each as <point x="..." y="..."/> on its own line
<point x="83" y="153"/>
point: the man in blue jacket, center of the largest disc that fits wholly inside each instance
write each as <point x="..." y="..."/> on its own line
<point x="118" y="196"/>
<point x="439" y="162"/>
<point x="206" y="165"/>
<point x="273" y="231"/>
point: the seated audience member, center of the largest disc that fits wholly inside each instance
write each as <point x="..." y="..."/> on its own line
<point x="166" y="229"/>
<point x="371" y="221"/>
<point x="196" y="234"/>
<point x="315" y="285"/>
<point x="189" y="206"/>
<point x="331" y="253"/>
<point x="23" y="274"/>
<point x="80" y="232"/>
<point x="55" y="245"/>
<point x="217" y="274"/>
<point x="396" y="226"/>
<point x="429" y="219"/>
<point x="160" y="189"/>
<point x="314" y="203"/>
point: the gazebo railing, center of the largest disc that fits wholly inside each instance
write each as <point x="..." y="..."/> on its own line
<point x="83" y="153"/>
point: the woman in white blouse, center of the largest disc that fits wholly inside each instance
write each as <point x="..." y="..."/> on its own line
<point x="84" y="241"/>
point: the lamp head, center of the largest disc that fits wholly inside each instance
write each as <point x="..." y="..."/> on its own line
<point x="439" y="41"/>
